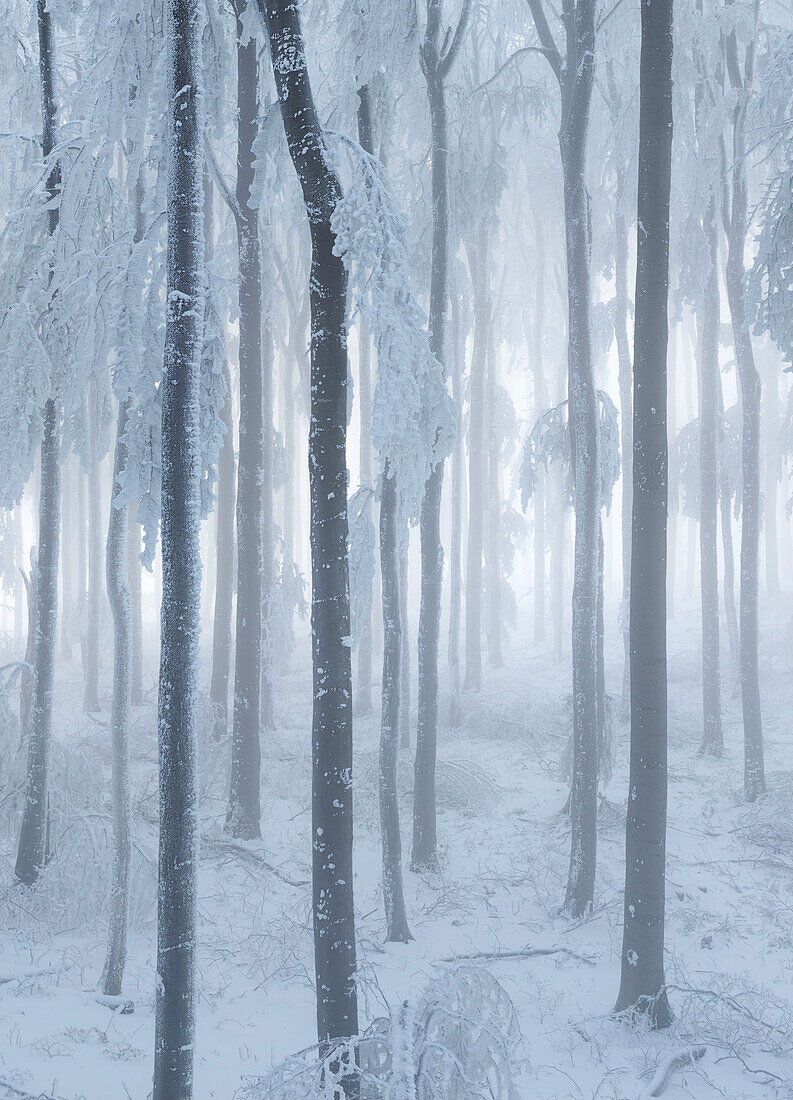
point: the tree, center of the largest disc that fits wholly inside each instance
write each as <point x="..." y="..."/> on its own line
<point x="436" y="61"/>
<point x="642" y="984"/>
<point x="742" y="82"/>
<point x="32" y="849"/>
<point x="575" y="73"/>
<point x="334" y="918"/>
<point x="181" y="578"/>
<point x="243" y="818"/>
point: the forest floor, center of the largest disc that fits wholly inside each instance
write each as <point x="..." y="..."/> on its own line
<point x="504" y="856"/>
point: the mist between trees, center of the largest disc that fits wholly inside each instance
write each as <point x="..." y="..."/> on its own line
<point x="395" y="546"/>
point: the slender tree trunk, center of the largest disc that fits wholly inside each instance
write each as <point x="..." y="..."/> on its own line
<point x="268" y="576"/>
<point x="224" y="580"/>
<point x="363" y="703"/>
<point x="557" y="567"/>
<point x="476" y="466"/>
<point x="456" y="538"/>
<point x="94" y="620"/>
<point x="404" y="668"/>
<point x="32" y="849"/>
<point x="583" y="421"/>
<point x="540" y="404"/>
<point x="174" y="1043"/>
<point x="120" y="706"/>
<point x="67" y="574"/>
<point x="712" y="735"/>
<point x="332" y="817"/>
<point x="754" y="768"/>
<point x="642" y="984"/>
<point x="243" y="818"/>
<point x="493" y="554"/>
<point x="424" y="854"/>
<point x="20" y="588"/>
<point x="136" y="598"/>
<point x="396" y="916"/>
<point x="771" y="464"/>
<point x="626" y="434"/>
<point x="31" y="582"/>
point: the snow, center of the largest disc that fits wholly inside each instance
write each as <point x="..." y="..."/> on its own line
<point x="503" y="851"/>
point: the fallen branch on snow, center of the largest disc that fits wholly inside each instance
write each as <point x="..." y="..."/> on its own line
<point x="236" y="849"/>
<point x="667" y="1068"/>
<point x="11" y="1092"/>
<point x="527" y="953"/>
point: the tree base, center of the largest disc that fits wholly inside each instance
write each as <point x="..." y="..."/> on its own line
<point x="654" y="1011"/>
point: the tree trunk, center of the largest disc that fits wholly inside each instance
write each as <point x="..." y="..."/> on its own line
<point x="493" y="553"/>
<point x="557" y="566"/>
<point x="397" y="930"/>
<point x="540" y="395"/>
<point x="583" y="426"/>
<point x="404" y="668"/>
<point x="243" y="818"/>
<point x="626" y="434"/>
<point x="94" y="619"/>
<point x="136" y="599"/>
<point x="424" y="854"/>
<point x="67" y="566"/>
<point x="180" y="625"/>
<point x="32" y="850"/>
<point x="456" y="537"/>
<point x="712" y="735"/>
<point x="477" y="258"/>
<point x="120" y="705"/>
<point x="224" y="579"/>
<point x="754" y="768"/>
<point x="642" y="984"/>
<point x="771" y="465"/>
<point x="332" y="818"/>
<point x="20" y="588"/>
<point x="363" y="696"/>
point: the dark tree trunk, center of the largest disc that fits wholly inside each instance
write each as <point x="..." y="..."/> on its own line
<point x="397" y="930"/>
<point x="712" y="735"/>
<point x="332" y="820"/>
<point x="476" y="466"/>
<point x="424" y="853"/>
<point x="174" y="1045"/>
<point x="754" y="768"/>
<point x="243" y="818"/>
<point x="771" y="465"/>
<point x="642" y="985"/>
<point x="120" y="706"/>
<point x="32" y="850"/>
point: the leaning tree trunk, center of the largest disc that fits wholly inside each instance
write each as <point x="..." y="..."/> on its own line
<point x="476" y="466"/>
<point x="32" y="849"/>
<point x="754" y="768"/>
<point x="540" y="396"/>
<point x="120" y="706"/>
<point x="397" y="930"/>
<point x="712" y="735"/>
<point x="771" y="466"/>
<point x="243" y="818"/>
<point x="332" y="820"/>
<point x="642" y="985"/>
<point x="180" y="622"/>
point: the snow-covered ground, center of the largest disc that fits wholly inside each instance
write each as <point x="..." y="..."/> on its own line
<point x="504" y="853"/>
